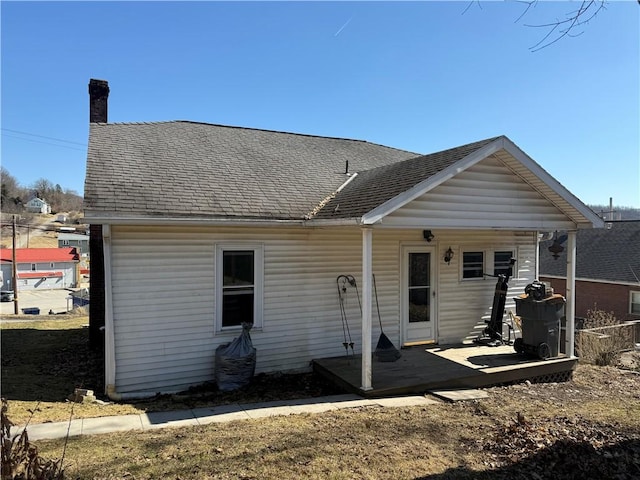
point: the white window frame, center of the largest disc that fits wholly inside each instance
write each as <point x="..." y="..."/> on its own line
<point x="488" y="261"/>
<point x="258" y="274"/>
<point x="632" y="294"/>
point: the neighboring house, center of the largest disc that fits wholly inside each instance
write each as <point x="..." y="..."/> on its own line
<point x="206" y="226"/>
<point x="37" y="205"/>
<point x="40" y="268"/>
<point x="81" y="242"/>
<point x="607" y="269"/>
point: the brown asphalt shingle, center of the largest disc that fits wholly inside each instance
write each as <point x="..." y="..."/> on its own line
<point x="187" y="169"/>
<point x="372" y="188"/>
<point x="610" y="254"/>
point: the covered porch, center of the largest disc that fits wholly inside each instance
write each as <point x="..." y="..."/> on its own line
<point x="432" y="367"/>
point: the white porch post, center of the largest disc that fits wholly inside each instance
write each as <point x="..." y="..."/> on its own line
<point x="570" y="308"/>
<point x="367" y="273"/>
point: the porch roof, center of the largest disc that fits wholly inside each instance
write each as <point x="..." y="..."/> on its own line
<point x="378" y="193"/>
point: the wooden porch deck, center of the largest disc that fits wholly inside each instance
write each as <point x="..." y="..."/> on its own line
<point x="434" y="367"/>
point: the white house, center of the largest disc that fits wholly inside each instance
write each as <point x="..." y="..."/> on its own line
<point x="40" y="268"/>
<point x="38" y="205"/>
<point x="255" y="225"/>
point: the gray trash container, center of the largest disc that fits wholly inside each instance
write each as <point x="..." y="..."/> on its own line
<point x="540" y="322"/>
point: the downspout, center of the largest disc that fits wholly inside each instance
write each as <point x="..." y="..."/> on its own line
<point x="367" y="275"/>
<point x="570" y="308"/>
<point x="109" y="334"/>
<point x="118" y="397"/>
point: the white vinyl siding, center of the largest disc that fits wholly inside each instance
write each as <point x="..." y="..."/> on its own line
<point x="164" y="291"/>
<point x="487" y="195"/>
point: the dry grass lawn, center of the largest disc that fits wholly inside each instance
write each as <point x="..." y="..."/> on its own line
<point x="587" y="428"/>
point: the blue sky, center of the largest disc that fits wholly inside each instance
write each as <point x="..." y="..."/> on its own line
<point x="421" y="76"/>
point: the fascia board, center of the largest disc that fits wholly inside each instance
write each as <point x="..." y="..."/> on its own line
<point x="590" y="216"/>
<point x="187" y="221"/>
<point x="390" y="206"/>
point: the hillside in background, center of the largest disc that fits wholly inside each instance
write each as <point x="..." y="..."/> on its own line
<point x="14" y="196"/>
<point x="617" y="213"/>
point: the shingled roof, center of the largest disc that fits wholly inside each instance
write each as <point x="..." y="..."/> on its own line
<point x="40" y="255"/>
<point x="184" y="169"/>
<point x="607" y="254"/>
<point x="372" y="188"/>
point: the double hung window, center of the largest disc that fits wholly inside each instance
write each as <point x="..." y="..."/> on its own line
<point x="239" y="285"/>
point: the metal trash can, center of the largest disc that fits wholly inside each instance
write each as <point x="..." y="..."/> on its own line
<point x="540" y="325"/>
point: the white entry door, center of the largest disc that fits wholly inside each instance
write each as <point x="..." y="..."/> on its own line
<point x="418" y="295"/>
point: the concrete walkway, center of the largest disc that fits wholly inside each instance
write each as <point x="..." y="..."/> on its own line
<point x="216" y="414"/>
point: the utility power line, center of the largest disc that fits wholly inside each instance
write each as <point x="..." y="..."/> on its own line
<point x="33" y="140"/>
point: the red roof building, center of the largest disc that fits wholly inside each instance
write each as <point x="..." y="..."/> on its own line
<point x="40" y="268"/>
<point x="40" y="255"/>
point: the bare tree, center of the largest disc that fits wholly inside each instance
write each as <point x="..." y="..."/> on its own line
<point x="12" y="195"/>
<point x="42" y="188"/>
<point x="570" y="26"/>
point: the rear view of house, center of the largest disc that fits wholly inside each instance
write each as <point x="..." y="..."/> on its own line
<point x="256" y="225"/>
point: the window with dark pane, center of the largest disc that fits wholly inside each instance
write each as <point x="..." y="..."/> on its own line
<point x="238" y="288"/>
<point x="501" y="262"/>
<point x="472" y="264"/>
<point x="635" y="302"/>
<point x="419" y="287"/>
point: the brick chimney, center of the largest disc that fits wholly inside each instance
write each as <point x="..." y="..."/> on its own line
<point x="98" y="95"/>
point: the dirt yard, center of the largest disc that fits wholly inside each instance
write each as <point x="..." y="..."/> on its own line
<point x="585" y="428"/>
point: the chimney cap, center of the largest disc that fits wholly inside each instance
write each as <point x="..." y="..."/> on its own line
<point x="98" y="87"/>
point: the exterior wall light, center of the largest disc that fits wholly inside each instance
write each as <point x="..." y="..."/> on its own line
<point x="556" y="247"/>
<point x="448" y="255"/>
<point x="428" y="236"/>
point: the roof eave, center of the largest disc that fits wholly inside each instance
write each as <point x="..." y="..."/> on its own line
<point x="590" y="218"/>
<point x="103" y="218"/>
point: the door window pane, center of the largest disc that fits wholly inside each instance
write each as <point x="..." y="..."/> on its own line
<point x="419" y="287"/>
<point x="418" y="269"/>
<point x="418" y="305"/>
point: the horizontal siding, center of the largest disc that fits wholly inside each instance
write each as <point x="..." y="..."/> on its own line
<point x="163" y="286"/>
<point x="487" y="195"/>
<point x="465" y="305"/>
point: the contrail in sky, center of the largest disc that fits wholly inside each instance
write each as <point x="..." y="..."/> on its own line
<point x="342" y="27"/>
